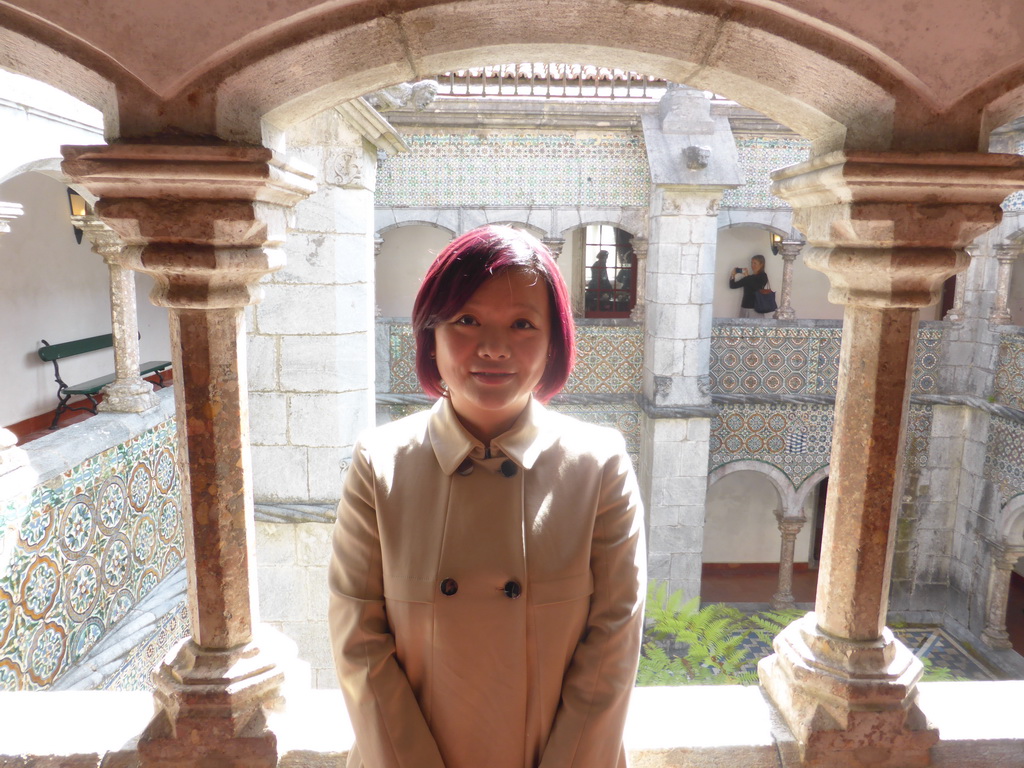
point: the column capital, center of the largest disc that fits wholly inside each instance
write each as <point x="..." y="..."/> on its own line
<point x="790" y="249"/>
<point x="1008" y="252"/>
<point x="555" y="245"/>
<point x="209" y="217"/>
<point x="889" y="227"/>
<point x="104" y="240"/>
<point x="789" y="526"/>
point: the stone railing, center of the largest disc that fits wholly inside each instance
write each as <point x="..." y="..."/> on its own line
<point x="91" y="525"/>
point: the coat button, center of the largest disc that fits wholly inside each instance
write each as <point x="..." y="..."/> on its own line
<point x="509" y="468"/>
<point x="466" y="467"/>
<point x="512" y="589"/>
<point x="449" y="587"/>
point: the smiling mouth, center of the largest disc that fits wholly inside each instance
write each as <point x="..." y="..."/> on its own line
<point x="492" y="377"/>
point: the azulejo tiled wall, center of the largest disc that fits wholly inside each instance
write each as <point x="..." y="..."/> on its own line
<point x="135" y="674"/>
<point x="1003" y="466"/>
<point x="608" y="360"/>
<point x="769" y="360"/>
<point x="795" y="438"/>
<point x="514" y="170"/>
<point x="759" y="156"/>
<point x="92" y="543"/>
<point x="1009" y="381"/>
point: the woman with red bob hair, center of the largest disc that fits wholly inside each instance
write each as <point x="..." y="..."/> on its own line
<point x="488" y="570"/>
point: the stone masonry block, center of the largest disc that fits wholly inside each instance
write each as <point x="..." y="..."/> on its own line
<point x="336" y="211"/>
<point x="326" y="467"/>
<point x="698" y="430"/>
<point x="703" y="289"/>
<point x="707" y="259"/>
<point x="668" y="431"/>
<point x="313" y="641"/>
<point x="692" y="514"/>
<point x="677" y="539"/>
<point x="672" y="490"/>
<point x="282" y="593"/>
<point x="313" y="543"/>
<point x="671" y="229"/>
<point x="686" y="567"/>
<point x="659" y="566"/>
<point x="268" y="419"/>
<point x="279" y="473"/>
<point x="327" y="419"/>
<point x="662" y="514"/>
<point x="698" y="357"/>
<point x="262" y="362"/>
<point x="317" y="594"/>
<point x="326" y="363"/>
<point x="325" y="259"/>
<point x="315" y="309"/>
<point x="664" y="259"/>
<point x="275" y="544"/>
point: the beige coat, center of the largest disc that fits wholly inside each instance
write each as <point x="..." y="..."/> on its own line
<point x="529" y="659"/>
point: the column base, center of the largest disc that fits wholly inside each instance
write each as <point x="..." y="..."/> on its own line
<point x="848" y="704"/>
<point x="133" y="396"/>
<point x="213" y="705"/>
<point x="785" y="314"/>
<point x="999" y="639"/>
<point x="781" y="602"/>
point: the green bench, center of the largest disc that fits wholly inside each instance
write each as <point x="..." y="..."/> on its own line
<point x="51" y="353"/>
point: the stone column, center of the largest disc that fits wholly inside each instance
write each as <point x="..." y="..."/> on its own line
<point x="887" y="228"/>
<point x="1006" y="254"/>
<point x="639" y="276"/>
<point x="128" y="392"/>
<point x="206" y="220"/>
<point x="1003" y="558"/>
<point x="676" y="398"/>
<point x="555" y="245"/>
<point x="789" y="528"/>
<point x="789" y="250"/>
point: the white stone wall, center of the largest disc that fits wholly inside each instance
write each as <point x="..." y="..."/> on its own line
<point x="291" y="563"/>
<point x="311" y="340"/>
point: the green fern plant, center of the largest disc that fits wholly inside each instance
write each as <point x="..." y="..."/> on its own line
<point x="692" y="645"/>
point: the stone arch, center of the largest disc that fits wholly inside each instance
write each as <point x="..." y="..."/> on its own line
<point x="779" y="480"/>
<point x="1011" y="525"/>
<point x="539" y="232"/>
<point x="810" y="483"/>
<point x="399" y="221"/>
<point x="778" y="222"/>
<point x="628" y="220"/>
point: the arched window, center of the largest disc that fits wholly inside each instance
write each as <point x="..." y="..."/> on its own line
<point x="610" y="277"/>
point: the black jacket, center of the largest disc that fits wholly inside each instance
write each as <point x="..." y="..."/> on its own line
<point x="749" y="284"/>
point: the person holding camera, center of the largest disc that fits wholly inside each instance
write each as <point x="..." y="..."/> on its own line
<point x="750" y="282"/>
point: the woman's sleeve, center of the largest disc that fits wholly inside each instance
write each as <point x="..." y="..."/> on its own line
<point x="390" y="729"/>
<point x="587" y="731"/>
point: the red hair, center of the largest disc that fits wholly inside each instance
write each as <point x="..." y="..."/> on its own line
<point x="456" y="274"/>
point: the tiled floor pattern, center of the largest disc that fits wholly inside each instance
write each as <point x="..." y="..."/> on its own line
<point x="753" y="585"/>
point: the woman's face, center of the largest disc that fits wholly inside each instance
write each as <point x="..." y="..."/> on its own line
<point x="756" y="266"/>
<point x="492" y="353"/>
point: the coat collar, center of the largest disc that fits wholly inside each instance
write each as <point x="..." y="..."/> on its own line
<point x="523" y="443"/>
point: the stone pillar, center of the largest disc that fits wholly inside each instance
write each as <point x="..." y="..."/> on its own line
<point x="789" y="250"/>
<point x="206" y="220"/>
<point x="312" y="370"/>
<point x="1006" y="254"/>
<point x="555" y="245"/>
<point x="676" y="398"/>
<point x="8" y="213"/>
<point x="639" y="276"/>
<point x="789" y="528"/>
<point x="956" y="312"/>
<point x="128" y="392"/>
<point x="887" y="228"/>
<point x="1003" y="558"/>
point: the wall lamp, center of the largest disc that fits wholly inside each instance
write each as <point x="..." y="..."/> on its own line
<point x="77" y="205"/>
<point x="776" y="243"/>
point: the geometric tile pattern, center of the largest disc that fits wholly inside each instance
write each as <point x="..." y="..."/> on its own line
<point x="607" y="360"/>
<point x="136" y="672"/>
<point x="516" y="170"/>
<point x="1003" y="466"/>
<point x="1015" y="202"/>
<point x="758" y="157"/>
<point x="792" y="361"/>
<point x="795" y="438"/>
<point x="1009" y="383"/>
<point x="91" y="543"/>
<point x="769" y="360"/>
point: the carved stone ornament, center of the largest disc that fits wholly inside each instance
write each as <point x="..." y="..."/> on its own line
<point x="697" y="158"/>
<point x="345" y="169"/>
